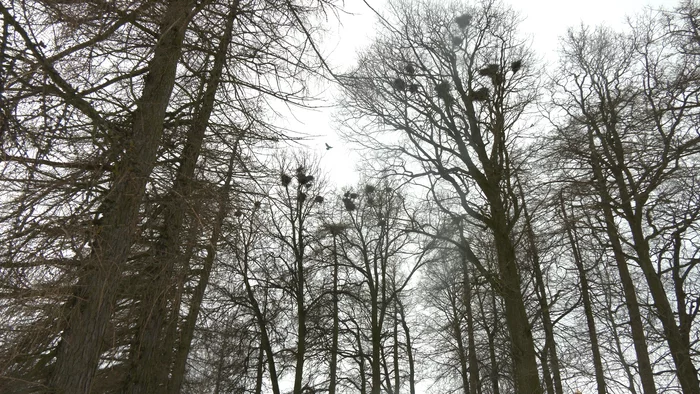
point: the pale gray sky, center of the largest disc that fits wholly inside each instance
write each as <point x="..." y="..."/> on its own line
<point x="545" y="21"/>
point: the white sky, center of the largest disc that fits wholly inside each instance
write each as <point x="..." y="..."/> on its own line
<point x="544" y="22"/>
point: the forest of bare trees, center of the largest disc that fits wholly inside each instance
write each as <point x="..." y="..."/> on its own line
<point x="517" y="227"/>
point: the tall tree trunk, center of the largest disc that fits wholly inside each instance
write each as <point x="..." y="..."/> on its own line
<point x="387" y="376"/>
<point x="685" y="369"/>
<point x="221" y="362"/>
<point x="334" y="341"/>
<point x="527" y="378"/>
<point x="91" y="307"/>
<point x="639" y="339"/>
<point x="474" y="378"/>
<point x="546" y="373"/>
<point x="569" y="225"/>
<point x="149" y="370"/>
<point x="260" y="371"/>
<point x="541" y="291"/>
<point x="396" y="346"/>
<point x="461" y="351"/>
<point x="376" y="338"/>
<point x="361" y="362"/>
<point x="630" y="373"/>
<point x="188" y="328"/>
<point x="491" y="334"/>
<point x="301" y="305"/>
<point x="409" y="351"/>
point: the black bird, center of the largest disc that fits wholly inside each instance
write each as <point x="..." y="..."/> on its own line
<point x="328" y="147"/>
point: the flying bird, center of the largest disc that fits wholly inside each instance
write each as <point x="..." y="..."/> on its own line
<point x="328" y="147"/>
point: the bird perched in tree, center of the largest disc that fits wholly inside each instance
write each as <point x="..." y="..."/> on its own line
<point x="328" y="147"/>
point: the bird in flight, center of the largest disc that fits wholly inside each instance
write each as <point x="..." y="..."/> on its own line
<point x="328" y="147"/>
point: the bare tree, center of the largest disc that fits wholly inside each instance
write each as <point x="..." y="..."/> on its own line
<point x="450" y="84"/>
<point x="633" y="126"/>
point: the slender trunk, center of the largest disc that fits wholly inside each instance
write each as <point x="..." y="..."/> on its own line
<point x="646" y="373"/>
<point x="361" y="362"/>
<point x="90" y="309"/>
<point x="541" y="291"/>
<point x="301" y="306"/>
<point x="260" y="371"/>
<point x="334" y="344"/>
<point x="685" y="370"/>
<point x="149" y="370"/>
<point x="546" y="374"/>
<point x="685" y="319"/>
<point x="612" y="328"/>
<point x="220" y="365"/>
<point x="409" y="351"/>
<point x="587" y="306"/>
<point x="629" y="192"/>
<point x="461" y="351"/>
<point x="265" y="343"/>
<point x="495" y="372"/>
<point x="396" y="349"/>
<point x="187" y="331"/>
<point x="474" y="379"/>
<point x="376" y="344"/>
<point x="387" y="376"/>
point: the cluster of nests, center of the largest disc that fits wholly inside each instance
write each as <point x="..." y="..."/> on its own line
<point x="304" y="181"/>
<point x="401" y="85"/>
<point x="349" y="201"/>
<point x="302" y="178"/>
<point x="442" y="89"/>
<point x="350" y="197"/>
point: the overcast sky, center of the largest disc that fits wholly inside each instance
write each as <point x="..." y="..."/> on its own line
<point x="544" y="21"/>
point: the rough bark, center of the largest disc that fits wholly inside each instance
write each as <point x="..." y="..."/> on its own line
<point x="90" y="309"/>
<point x="150" y="367"/>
